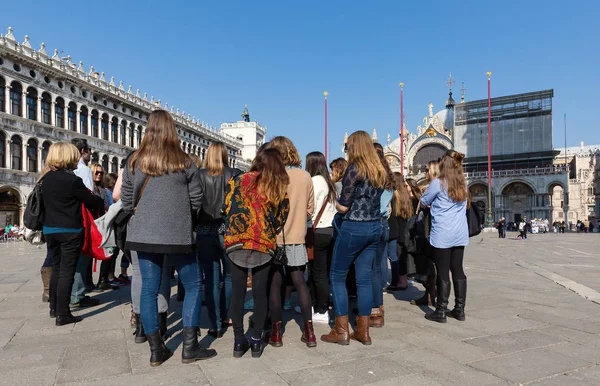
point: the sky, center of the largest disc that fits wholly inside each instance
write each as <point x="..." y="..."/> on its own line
<point x="210" y="58"/>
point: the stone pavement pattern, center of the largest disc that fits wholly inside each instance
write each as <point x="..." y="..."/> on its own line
<point x="522" y="327"/>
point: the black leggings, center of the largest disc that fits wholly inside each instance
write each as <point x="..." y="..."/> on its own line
<point x="260" y="279"/>
<point x="297" y="276"/>
<point x="449" y="259"/>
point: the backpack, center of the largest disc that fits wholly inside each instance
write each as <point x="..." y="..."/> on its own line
<point x="414" y="234"/>
<point x="33" y="217"/>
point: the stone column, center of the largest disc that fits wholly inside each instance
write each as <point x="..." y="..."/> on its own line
<point x="24" y="104"/>
<point x="38" y="109"/>
<point x="7" y="152"/>
<point x="89" y="123"/>
<point x="40" y="162"/>
<point x="53" y="113"/>
<point x="7" y="99"/>
<point x="24" y="158"/>
<point x="77" y="119"/>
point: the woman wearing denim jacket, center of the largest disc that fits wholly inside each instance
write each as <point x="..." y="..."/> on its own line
<point x="359" y="234"/>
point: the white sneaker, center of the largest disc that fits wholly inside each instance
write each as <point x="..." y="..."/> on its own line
<point x="320" y="318"/>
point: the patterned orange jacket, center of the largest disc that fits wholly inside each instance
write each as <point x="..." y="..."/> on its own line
<point x="250" y="222"/>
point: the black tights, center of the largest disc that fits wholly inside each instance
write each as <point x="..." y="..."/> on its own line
<point x="449" y="259"/>
<point x="260" y="279"/>
<point x="297" y="276"/>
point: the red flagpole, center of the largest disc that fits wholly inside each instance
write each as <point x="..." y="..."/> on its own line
<point x="325" y="129"/>
<point x="401" y="127"/>
<point x="489" y="124"/>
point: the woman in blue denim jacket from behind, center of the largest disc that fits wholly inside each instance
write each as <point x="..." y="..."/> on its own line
<point x="447" y="196"/>
<point x="359" y="235"/>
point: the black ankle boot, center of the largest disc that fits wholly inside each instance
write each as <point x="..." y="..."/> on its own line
<point x="460" y="296"/>
<point x="159" y="353"/>
<point x="162" y="325"/>
<point x="67" y="319"/>
<point x="140" y="337"/>
<point x="192" y="351"/>
<point x="256" y="347"/>
<point x="240" y="348"/>
<point x="443" y="292"/>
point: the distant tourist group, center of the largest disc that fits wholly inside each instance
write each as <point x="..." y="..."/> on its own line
<point x="339" y="236"/>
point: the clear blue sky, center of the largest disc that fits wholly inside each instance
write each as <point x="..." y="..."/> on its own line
<point x="211" y="58"/>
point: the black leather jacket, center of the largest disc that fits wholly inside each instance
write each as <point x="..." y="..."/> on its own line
<point x="213" y="199"/>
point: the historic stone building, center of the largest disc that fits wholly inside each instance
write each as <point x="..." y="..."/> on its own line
<point x="47" y="98"/>
<point x="524" y="176"/>
<point x="249" y="133"/>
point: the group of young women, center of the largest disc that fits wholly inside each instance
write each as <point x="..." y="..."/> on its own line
<point x="216" y="225"/>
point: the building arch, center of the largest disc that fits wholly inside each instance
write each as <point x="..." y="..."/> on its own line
<point x="83" y="120"/>
<point x="123" y="134"/>
<point x="16" y="152"/>
<point x="506" y="183"/>
<point x="114" y="130"/>
<point x="105" y="163"/>
<point x="11" y="202"/>
<point x="138" y="136"/>
<point x="31" y="99"/>
<point x="95" y="158"/>
<point x="131" y="131"/>
<point x="32" y="155"/>
<point x="16" y="99"/>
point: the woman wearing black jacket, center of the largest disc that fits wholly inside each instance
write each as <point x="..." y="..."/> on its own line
<point x="62" y="194"/>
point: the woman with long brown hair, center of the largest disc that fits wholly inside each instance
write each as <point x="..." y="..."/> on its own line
<point x="427" y="267"/>
<point x="447" y="196"/>
<point x="256" y="209"/>
<point x="402" y="210"/>
<point x="161" y="190"/>
<point x="214" y="264"/>
<point x="292" y="238"/>
<point x="359" y="234"/>
<point x="338" y="168"/>
<point x="62" y="194"/>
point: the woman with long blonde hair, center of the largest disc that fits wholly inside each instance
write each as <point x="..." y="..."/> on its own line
<point x="292" y="238"/>
<point x="62" y="194"/>
<point x="359" y="234"/>
<point x="161" y="190"/>
<point x="214" y="265"/>
<point x="257" y="208"/>
<point x="447" y="196"/>
<point x="338" y="168"/>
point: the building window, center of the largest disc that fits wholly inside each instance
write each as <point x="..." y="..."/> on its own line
<point x="15" y="98"/>
<point x="32" y="156"/>
<point x="72" y="118"/>
<point x="83" y="121"/>
<point x="104" y="128"/>
<point x="59" y="113"/>
<point x="131" y="143"/>
<point x="45" y="149"/>
<point x="2" y="88"/>
<point x="105" y="162"/>
<point x="31" y="101"/>
<point x="94" y="122"/>
<point x="2" y="150"/>
<point x="114" y="131"/>
<point x="46" y="108"/>
<point x="123" y="131"/>
<point x="16" y="151"/>
<point x="114" y="165"/>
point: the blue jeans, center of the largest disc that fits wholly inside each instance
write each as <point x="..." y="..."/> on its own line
<point x="48" y="261"/>
<point x="390" y="251"/>
<point x="151" y="266"/>
<point x="376" y="275"/>
<point x="214" y="268"/>
<point x="356" y="243"/>
<point x="79" y="285"/>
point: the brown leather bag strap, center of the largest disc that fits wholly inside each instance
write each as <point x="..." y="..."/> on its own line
<point x="316" y="222"/>
<point x="139" y="197"/>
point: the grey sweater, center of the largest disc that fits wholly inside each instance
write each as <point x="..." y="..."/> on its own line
<point x="162" y="222"/>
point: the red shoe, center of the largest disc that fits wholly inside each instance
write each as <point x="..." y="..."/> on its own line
<point x="275" y="337"/>
<point x="308" y="336"/>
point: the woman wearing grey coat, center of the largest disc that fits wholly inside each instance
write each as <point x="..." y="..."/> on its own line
<point x="161" y="190"/>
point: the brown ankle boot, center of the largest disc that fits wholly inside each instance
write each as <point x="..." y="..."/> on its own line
<point x="46" y="276"/>
<point x="339" y="332"/>
<point x="376" y="319"/>
<point x="362" y="330"/>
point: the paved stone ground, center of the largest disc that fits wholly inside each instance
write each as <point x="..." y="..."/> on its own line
<point x="525" y="324"/>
